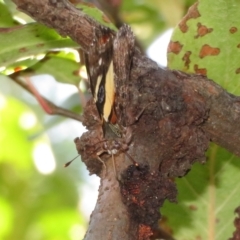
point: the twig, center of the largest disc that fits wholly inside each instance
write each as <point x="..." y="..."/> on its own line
<point x="55" y="110"/>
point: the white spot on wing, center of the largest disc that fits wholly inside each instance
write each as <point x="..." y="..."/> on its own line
<point x="97" y="88"/>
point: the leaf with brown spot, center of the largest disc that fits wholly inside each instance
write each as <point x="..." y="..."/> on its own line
<point x="53" y="65"/>
<point x="213" y="40"/>
<point x="233" y="30"/>
<point x="237" y="71"/>
<point x="207" y="50"/>
<point x="202" y="71"/>
<point x="96" y="14"/>
<point x="192" y="13"/>
<point x="11" y="49"/>
<point x="186" y="59"/>
<point x="202" y="30"/>
<point x="22" y="50"/>
<point x="174" y="47"/>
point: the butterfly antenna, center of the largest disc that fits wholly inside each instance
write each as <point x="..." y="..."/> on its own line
<point x="68" y="163"/>
<point x="134" y="162"/>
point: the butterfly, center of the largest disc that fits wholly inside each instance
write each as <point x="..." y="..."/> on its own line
<point x="100" y="72"/>
<point x="108" y="65"/>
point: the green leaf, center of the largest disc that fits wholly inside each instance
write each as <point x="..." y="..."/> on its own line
<point x="207" y="42"/>
<point x="19" y="66"/>
<point x="64" y="219"/>
<point x="30" y="201"/>
<point x="28" y="40"/>
<point x="96" y="14"/>
<point x="6" y="19"/>
<point x="207" y="198"/>
<point x="6" y="217"/>
<point x="14" y="137"/>
<point x="145" y="19"/>
<point x="62" y="69"/>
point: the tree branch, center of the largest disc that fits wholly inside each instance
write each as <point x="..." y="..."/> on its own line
<point x="222" y="125"/>
<point x="66" y="20"/>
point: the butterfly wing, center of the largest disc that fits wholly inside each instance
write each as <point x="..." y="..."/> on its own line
<point x="101" y="76"/>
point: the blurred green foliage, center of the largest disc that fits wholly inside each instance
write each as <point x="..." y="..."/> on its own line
<point x="31" y="204"/>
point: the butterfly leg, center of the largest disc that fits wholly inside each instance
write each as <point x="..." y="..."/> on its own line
<point x="136" y="118"/>
<point x="100" y="160"/>
<point x="133" y="161"/>
<point x="114" y="165"/>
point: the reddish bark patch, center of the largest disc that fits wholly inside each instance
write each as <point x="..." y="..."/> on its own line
<point x="233" y="30"/>
<point x="202" y="30"/>
<point x="143" y="196"/>
<point x="237" y="71"/>
<point x="192" y="13"/>
<point x="144" y="232"/>
<point x="207" y="50"/>
<point x="202" y="71"/>
<point x="174" y="47"/>
<point x="186" y="59"/>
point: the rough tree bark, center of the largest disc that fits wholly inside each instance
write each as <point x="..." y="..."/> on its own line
<point x="181" y="113"/>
